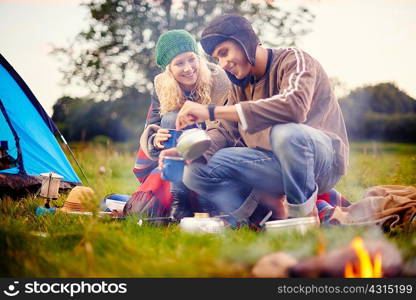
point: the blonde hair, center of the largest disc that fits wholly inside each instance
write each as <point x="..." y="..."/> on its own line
<point x="172" y="97"/>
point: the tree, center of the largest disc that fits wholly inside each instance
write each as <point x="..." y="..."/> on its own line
<point x="380" y="111"/>
<point x="120" y="120"/>
<point x="117" y="50"/>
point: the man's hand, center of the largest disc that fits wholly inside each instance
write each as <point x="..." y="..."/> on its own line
<point x="191" y="113"/>
<point x="164" y="153"/>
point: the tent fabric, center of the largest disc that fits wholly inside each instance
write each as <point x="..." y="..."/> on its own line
<point x="31" y="97"/>
<point x="28" y="130"/>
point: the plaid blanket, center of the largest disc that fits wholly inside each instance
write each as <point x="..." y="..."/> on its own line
<point x="156" y="191"/>
<point x="152" y="187"/>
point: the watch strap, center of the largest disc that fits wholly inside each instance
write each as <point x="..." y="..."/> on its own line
<point x="211" y="111"/>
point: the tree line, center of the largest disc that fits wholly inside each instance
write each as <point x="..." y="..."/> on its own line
<point x="377" y="112"/>
<point x="380" y="112"/>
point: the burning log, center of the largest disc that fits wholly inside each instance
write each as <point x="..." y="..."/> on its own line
<point x="409" y="269"/>
<point x="360" y="259"/>
<point x="275" y="265"/>
<point x="365" y="267"/>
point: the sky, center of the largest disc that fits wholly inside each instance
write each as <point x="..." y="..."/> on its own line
<point x="357" y="41"/>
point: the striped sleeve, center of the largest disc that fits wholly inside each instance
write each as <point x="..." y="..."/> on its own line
<point x="292" y="104"/>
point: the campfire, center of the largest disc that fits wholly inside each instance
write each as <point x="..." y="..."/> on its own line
<point x="360" y="259"/>
<point x="365" y="267"/>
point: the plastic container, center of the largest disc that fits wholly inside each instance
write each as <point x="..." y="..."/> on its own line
<point x="300" y="224"/>
<point x="201" y="225"/>
<point x="42" y="210"/>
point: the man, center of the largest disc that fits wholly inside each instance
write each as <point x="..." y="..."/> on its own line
<point x="283" y="108"/>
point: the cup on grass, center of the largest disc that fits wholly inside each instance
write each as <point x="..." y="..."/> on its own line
<point x="173" y="168"/>
<point x="173" y="140"/>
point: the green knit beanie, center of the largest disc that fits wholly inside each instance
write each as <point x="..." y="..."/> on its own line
<point x="172" y="43"/>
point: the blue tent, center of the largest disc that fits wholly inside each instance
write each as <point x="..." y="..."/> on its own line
<point x="28" y="145"/>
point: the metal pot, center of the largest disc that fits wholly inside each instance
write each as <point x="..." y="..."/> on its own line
<point x="193" y="143"/>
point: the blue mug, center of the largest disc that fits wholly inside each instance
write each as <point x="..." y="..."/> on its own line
<point x="173" y="168"/>
<point x="173" y="140"/>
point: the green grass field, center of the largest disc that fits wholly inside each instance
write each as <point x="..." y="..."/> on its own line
<point x="83" y="246"/>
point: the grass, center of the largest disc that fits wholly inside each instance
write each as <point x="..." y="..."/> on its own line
<point x="81" y="246"/>
<point x="373" y="163"/>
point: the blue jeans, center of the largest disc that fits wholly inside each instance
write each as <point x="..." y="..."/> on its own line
<point x="300" y="165"/>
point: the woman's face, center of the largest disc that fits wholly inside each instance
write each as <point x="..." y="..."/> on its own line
<point x="185" y="69"/>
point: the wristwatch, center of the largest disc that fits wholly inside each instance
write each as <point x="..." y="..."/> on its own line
<point x="211" y="111"/>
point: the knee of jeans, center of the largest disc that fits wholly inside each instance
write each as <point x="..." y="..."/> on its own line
<point x="169" y="119"/>
<point x="227" y="156"/>
<point x="191" y="176"/>
<point x="284" y="137"/>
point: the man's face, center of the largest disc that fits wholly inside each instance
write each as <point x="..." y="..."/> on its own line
<point x="232" y="58"/>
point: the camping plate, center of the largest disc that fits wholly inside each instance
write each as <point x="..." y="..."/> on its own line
<point x="300" y="224"/>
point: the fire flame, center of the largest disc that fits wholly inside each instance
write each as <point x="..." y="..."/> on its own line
<point x="365" y="268"/>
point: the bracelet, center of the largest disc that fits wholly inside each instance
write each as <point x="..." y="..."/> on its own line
<point x="211" y="111"/>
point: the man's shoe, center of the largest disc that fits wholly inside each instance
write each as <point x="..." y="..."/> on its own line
<point x="179" y="208"/>
<point x="207" y="207"/>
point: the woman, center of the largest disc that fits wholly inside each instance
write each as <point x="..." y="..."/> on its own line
<point x="186" y="76"/>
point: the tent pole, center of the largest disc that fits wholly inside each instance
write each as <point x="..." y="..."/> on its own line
<point x="73" y="156"/>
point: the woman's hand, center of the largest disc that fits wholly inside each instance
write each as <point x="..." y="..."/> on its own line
<point x="170" y="152"/>
<point x="162" y="135"/>
<point x="167" y="152"/>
